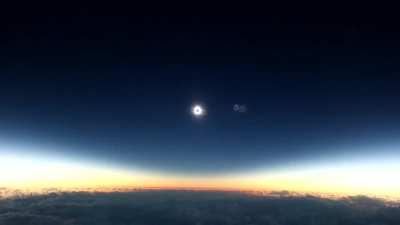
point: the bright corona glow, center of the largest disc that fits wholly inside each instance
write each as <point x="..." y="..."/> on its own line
<point x="198" y="110"/>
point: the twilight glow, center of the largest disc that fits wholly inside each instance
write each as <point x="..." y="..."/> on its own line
<point x="377" y="176"/>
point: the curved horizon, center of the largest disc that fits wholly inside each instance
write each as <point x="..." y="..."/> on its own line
<point x="375" y="175"/>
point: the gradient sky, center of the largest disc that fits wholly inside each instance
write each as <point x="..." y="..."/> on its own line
<point x="116" y="92"/>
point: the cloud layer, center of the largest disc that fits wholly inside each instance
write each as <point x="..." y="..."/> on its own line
<point x="188" y="207"/>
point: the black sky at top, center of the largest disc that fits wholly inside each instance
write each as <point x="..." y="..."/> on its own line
<point x="119" y="87"/>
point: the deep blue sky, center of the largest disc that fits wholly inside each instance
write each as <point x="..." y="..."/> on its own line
<point x="118" y="88"/>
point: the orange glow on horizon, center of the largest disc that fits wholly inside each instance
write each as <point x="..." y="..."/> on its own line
<point x="379" y="181"/>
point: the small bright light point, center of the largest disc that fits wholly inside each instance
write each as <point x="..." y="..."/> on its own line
<point x="198" y="111"/>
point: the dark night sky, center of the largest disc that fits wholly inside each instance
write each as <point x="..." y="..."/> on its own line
<point x="119" y="88"/>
